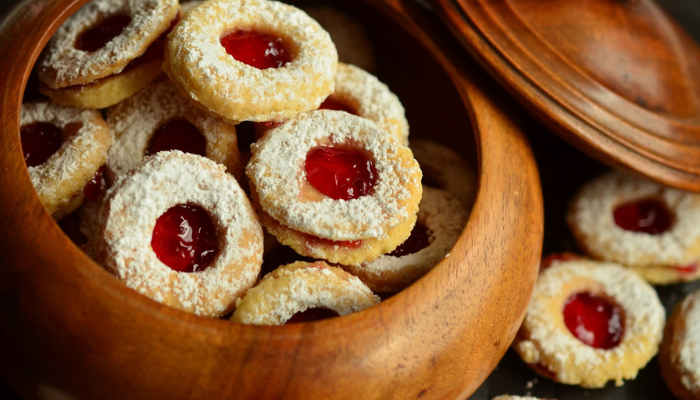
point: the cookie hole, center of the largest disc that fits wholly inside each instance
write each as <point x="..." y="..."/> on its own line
<point x="650" y="216"/>
<point x="40" y="140"/>
<point x="595" y="320"/>
<point x="340" y="173"/>
<point x="178" y="134"/>
<point x="184" y="238"/>
<point x="257" y="49"/>
<point x="420" y="239"/>
<point x="312" y="314"/>
<point x="95" y="189"/>
<point x="105" y="31"/>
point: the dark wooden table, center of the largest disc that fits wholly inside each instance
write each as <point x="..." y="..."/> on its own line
<point x="554" y="159"/>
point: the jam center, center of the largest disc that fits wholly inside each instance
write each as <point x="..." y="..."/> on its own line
<point x="184" y="238"/>
<point x="97" y="185"/>
<point x="98" y="36"/>
<point x="178" y="135"/>
<point x="418" y="240"/>
<point x="39" y="141"/>
<point x="593" y="320"/>
<point x="340" y="174"/>
<point x="332" y="104"/>
<point x="646" y="216"/>
<point x="312" y="314"/>
<point x="257" y="49"/>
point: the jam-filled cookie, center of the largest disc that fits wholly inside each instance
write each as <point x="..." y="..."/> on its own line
<point x="158" y="118"/>
<point x="444" y="169"/>
<point x="179" y="229"/>
<point x="643" y="225"/>
<point x="337" y="177"/>
<point x="302" y="292"/>
<point x="590" y="322"/>
<point x="350" y="37"/>
<point x="441" y="219"/>
<point x="63" y="147"/>
<point x="106" y="51"/>
<point x="253" y="60"/>
<point x="679" y="355"/>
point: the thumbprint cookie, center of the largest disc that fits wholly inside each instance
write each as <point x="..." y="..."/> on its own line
<point x="178" y="229"/>
<point x="106" y="51"/>
<point x="64" y="147"/>
<point x="679" y="355"/>
<point x="590" y="322"/>
<point x="441" y="219"/>
<point x="303" y="292"/>
<point x="647" y="227"/>
<point x="253" y="60"/>
<point x="338" y="178"/>
<point x="444" y="169"/>
<point x="158" y="118"/>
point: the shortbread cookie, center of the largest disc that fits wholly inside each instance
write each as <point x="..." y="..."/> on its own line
<point x="335" y="176"/>
<point x="590" y="322"/>
<point x="642" y="225"/>
<point x="441" y="219"/>
<point x="301" y="292"/>
<point x="63" y="148"/>
<point x="679" y="355"/>
<point x="158" y="118"/>
<point x="179" y="229"/>
<point x="444" y="169"/>
<point x="253" y="60"/>
<point x="350" y="37"/>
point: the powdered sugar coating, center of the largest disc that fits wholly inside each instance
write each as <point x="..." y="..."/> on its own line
<point x="202" y="68"/>
<point x="300" y="286"/>
<point x="592" y="222"/>
<point x="545" y="341"/>
<point x="445" y="217"/>
<point x="135" y="202"/>
<point x="684" y="348"/>
<point x="86" y="138"/>
<point x="444" y="169"/>
<point x="135" y="120"/>
<point x="371" y="99"/>
<point x="63" y="65"/>
<point x="277" y="171"/>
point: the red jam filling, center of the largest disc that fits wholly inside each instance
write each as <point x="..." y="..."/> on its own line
<point x="39" y="141"/>
<point x="178" y="134"/>
<point x="257" y="49"/>
<point x="593" y="320"/>
<point x="646" y="216"/>
<point x="312" y="314"/>
<point x="331" y="104"/>
<point x="418" y="240"/>
<point x="97" y="185"/>
<point x="687" y="269"/>
<point x="184" y="238"/>
<point x="339" y="173"/>
<point x="349" y="244"/>
<point x="98" y="36"/>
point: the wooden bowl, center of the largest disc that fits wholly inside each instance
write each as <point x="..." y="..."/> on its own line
<point x="70" y="330"/>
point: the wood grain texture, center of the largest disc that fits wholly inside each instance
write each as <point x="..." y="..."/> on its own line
<point x="618" y="79"/>
<point x="67" y="328"/>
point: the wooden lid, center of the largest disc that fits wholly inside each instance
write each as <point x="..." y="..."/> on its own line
<point x="618" y="79"/>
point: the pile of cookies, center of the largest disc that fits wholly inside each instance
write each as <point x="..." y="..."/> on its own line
<point x="164" y="195"/>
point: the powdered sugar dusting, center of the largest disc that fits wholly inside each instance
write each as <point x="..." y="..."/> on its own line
<point x="446" y="169"/>
<point x="135" y="119"/>
<point x="158" y="183"/>
<point x="63" y="65"/>
<point x="277" y="171"/>
<point x="300" y="286"/>
<point x="688" y="339"/>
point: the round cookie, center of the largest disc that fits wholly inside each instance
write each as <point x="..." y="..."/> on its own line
<point x="441" y="219"/>
<point x="160" y="110"/>
<point x="590" y="322"/>
<point x="444" y="169"/>
<point x="200" y="64"/>
<point x="302" y="287"/>
<point x="679" y="354"/>
<point x="647" y="227"/>
<point x="81" y="139"/>
<point x="142" y="218"/>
